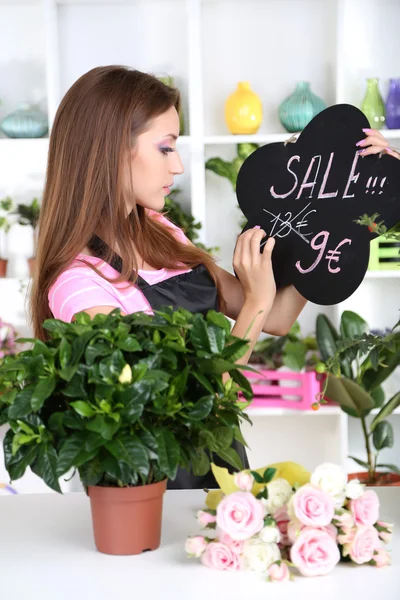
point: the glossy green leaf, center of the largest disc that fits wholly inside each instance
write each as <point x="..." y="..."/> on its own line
<point x="386" y="410"/>
<point x="383" y="435"/>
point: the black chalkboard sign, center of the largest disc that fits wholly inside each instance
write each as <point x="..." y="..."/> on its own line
<point x="308" y="195"/>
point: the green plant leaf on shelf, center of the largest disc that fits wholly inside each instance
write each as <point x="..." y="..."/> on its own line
<point x="386" y="410"/>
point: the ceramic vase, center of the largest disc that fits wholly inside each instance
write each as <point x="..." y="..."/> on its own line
<point x="372" y="105"/>
<point x="243" y="110"/>
<point x="300" y="107"/>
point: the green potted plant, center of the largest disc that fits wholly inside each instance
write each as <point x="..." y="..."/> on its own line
<point x="5" y="208"/>
<point x="184" y="220"/>
<point x="230" y="169"/>
<point x="124" y="400"/>
<point x="28" y="214"/>
<point x="357" y="362"/>
<point x="292" y="351"/>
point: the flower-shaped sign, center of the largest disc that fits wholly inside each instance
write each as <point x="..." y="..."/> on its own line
<point x="308" y="195"/>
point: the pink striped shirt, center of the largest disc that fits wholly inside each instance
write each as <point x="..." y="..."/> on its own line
<point x="79" y="287"/>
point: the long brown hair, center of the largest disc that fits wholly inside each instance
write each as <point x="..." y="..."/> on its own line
<point x="94" y="130"/>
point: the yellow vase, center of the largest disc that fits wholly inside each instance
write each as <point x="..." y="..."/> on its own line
<point x="243" y="110"/>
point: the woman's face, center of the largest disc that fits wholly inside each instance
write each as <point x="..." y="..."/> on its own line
<point x="155" y="161"/>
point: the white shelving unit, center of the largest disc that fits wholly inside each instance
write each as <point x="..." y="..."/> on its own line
<point x="208" y="46"/>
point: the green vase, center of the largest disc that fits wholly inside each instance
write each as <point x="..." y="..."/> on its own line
<point x="300" y="108"/>
<point x="373" y="106"/>
<point x="167" y="80"/>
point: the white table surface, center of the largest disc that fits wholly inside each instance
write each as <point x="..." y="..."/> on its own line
<point x="47" y="551"/>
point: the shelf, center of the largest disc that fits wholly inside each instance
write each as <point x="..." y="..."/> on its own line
<point x="257" y="138"/>
<point x="389" y="274"/>
<point x="282" y="412"/>
<point x="326" y="411"/>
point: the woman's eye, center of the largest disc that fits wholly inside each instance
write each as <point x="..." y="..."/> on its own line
<point x="167" y="149"/>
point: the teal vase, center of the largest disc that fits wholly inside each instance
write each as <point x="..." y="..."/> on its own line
<point x="299" y="108"/>
<point x="372" y="105"/>
<point x="26" y="122"/>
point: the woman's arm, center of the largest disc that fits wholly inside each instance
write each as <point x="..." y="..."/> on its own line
<point x="257" y="284"/>
<point x="287" y="305"/>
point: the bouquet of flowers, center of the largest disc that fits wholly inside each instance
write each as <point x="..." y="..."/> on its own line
<point x="273" y="526"/>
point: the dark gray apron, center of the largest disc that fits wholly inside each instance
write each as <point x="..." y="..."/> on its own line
<point x="196" y="292"/>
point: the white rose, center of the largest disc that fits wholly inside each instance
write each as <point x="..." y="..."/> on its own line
<point x="354" y="489"/>
<point x="259" y="556"/>
<point x="126" y="375"/>
<point x="279" y="492"/>
<point x="332" y="479"/>
<point x="270" y="535"/>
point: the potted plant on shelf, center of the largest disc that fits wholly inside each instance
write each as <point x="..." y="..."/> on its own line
<point x="357" y="363"/>
<point x="28" y="214"/>
<point x="124" y="400"/>
<point x="184" y="220"/>
<point x="5" y="208"/>
<point x="231" y="169"/>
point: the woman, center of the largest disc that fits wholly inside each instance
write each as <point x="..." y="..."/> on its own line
<point x="112" y="160"/>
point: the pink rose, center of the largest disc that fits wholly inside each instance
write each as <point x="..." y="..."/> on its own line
<point x="279" y="572"/>
<point x="240" y="515"/>
<point x="346" y="536"/>
<point x="218" y="556"/>
<point x="195" y="546"/>
<point x="204" y="518"/>
<point x="295" y="528"/>
<point x="244" y="481"/>
<point x="363" y="546"/>
<point x="365" y="509"/>
<point x="314" y="553"/>
<point x="283" y="530"/>
<point x="381" y="558"/>
<point x="344" y="520"/>
<point x="312" y="506"/>
<point x="385" y="531"/>
<point x="235" y="545"/>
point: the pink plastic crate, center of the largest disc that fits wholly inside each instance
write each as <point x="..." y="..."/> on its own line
<point x="283" y="389"/>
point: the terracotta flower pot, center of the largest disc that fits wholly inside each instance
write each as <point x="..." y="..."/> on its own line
<point x="3" y="267"/>
<point x="388" y="490"/>
<point x="382" y="479"/>
<point x="127" y="520"/>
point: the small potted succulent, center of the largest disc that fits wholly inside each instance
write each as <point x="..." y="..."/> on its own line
<point x="28" y="214"/>
<point x="357" y="362"/>
<point x="5" y="208"/>
<point x="125" y="401"/>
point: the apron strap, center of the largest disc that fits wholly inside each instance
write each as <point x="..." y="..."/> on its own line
<point x="100" y="249"/>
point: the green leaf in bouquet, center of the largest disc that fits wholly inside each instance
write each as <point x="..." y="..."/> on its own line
<point x="269" y="474"/>
<point x="257" y="477"/>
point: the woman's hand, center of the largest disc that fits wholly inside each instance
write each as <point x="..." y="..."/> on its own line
<point x="374" y="143"/>
<point x="254" y="269"/>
